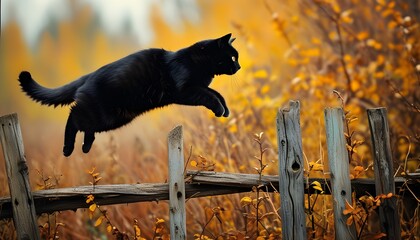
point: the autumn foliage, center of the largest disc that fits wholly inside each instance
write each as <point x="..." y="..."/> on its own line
<point x="325" y="53"/>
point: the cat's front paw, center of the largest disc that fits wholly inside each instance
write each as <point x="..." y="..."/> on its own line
<point x="220" y="111"/>
<point x="227" y="112"/>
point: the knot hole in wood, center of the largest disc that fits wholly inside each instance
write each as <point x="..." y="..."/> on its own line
<point x="295" y="166"/>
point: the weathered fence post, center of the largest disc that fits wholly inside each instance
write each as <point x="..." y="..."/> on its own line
<point x="291" y="168"/>
<point x="340" y="175"/>
<point x="24" y="216"/>
<point x="178" y="228"/>
<point x="384" y="172"/>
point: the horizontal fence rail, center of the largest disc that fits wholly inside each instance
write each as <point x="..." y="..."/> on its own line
<point x="200" y="184"/>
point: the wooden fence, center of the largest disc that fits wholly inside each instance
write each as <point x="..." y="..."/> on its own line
<point x="24" y="205"/>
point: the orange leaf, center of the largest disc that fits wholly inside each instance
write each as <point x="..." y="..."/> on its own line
<point x="349" y="220"/>
<point x="379" y="236"/>
<point x="358" y="169"/>
<point x="92" y="207"/>
<point x="362" y="35"/>
<point x="99" y="221"/>
<point x="109" y="228"/>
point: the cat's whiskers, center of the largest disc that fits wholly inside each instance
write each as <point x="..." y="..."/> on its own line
<point x="234" y="83"/>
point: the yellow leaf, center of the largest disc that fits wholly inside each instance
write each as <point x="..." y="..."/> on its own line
<point x="333" y="35"/>
<point x="293" y="62"/>
<point x="353" y="119"/>
<point x="316" y="41"/>
<point x="371" y="42"/>
<point x="318" y="188"/>
<point x="92" y="207"/>
<point x="159" y="221"/>
<point x="379" y="74"/>
<point x="265" y="89"/>
<point x="381" y="2"/>
<point x="99" y="221"/>
<point x="313" y="52"/>
<point x="109" y="228"/>
<point x="362" y="35"/>
<point x="347" y="57"/>
<point x="193" y="163"/>
<point x="91" y="171"/>
<point x="137" y="232"/>
<point x="374" y="44"/>
<point x="316" y="183"/>
<point x="392" y="25"/>
<point x="295" y="18"/>
<point x="233" y="128"/>
<point x="336" y="7"/>
<point x="355" y="85"/>
<point x="262" y="73"/>
<point x="345" y="16"/>
<point x="89" y="198"/>
<point x="246" y="201"/>
<point x="316" y="166"/>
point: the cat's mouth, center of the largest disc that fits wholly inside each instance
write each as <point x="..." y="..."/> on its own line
<point x="235" y="68"/>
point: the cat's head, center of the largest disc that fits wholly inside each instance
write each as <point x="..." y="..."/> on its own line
<point x="220" y="54"/>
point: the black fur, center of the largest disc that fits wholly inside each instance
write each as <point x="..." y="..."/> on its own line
<point x="116" y="93"/>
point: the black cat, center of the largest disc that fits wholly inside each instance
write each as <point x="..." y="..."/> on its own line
<point x="116" y="93"/>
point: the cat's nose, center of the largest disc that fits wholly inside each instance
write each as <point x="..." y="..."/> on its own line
<point x="237" y="66"/>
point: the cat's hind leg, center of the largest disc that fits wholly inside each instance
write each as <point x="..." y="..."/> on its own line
<point x="88" y="141"/>
<point x="69" y="136"/>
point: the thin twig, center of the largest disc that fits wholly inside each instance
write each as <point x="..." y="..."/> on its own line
<point x="405" y="100"/>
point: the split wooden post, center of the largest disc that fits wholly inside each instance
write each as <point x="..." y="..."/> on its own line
<point x="24" y="216"/>
<point x="340" y="175"/>
<point x="178" y="228"/>
<point x="384" y="172"/>
<point x="291" y="170"/>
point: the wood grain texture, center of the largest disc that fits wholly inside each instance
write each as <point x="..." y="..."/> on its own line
<point x="384" y="172"/>
<point x="23" y="206"/>
<point x="291" y="168"/>
<point x="340" y="175"/>
<point x="177" y="214"/>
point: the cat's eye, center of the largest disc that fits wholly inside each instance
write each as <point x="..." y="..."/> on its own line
<point x="234" y="58"/>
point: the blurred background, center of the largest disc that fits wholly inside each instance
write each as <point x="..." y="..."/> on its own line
<point x="58" y="41"/>
<point x="324" y="53"/>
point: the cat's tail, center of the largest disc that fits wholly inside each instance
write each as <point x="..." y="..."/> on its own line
<point x="57" y="96"/>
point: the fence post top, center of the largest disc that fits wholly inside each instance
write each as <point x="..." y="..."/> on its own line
<point x="11" y="116"/>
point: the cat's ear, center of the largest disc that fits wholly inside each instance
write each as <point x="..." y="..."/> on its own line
<point x="223" y="40"/>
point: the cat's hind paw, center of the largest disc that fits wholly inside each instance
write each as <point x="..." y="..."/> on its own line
<point x="67" y="150"/>
<point x="86" y="147"/>
<point x="88" y="141"/>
